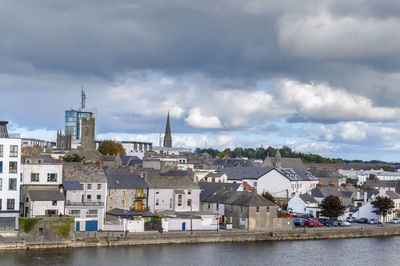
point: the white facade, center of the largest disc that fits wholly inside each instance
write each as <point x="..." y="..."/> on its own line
<point x="362" y="175"/>
<point x="10" y="174"/>
<point x="297" y="205"/>
<point x="41" y="174"/>
<point x="41" y="208"/>
<point x="205" y="223"/>
<point x="176" y="200"/>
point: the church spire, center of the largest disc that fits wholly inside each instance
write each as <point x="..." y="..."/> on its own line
<point x="167" y="136"/>
<point x="278" y="156"/>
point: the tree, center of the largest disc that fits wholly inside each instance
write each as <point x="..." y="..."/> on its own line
<point x="383" y="206"/>
<point x="73" y="158"/>
<point x="332" y="207"/>
<point x="109" y="147"/>
<point x="268" y="196"/>
<point x="373" y="177"/>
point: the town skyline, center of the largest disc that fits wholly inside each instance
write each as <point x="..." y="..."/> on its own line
<point x="241" y="75"/>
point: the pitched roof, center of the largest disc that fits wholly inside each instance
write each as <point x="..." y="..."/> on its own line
<point x="171" y="182"/>
<point x="326" y="191"/>
<point x="72" y="185"/>
<point x="45" y="159"/>
<point x="325" y="172"/>
<point x="226" y="163"/>
<point x="83" y="173"/>
<point x="285" y="163"/>
<point x="46" y="195"/>
<point x="382" y="183"/>
<point x="175" y="173"/>
<point x="130" y="160"/>
<point x="122" y="178"/>
<point x="239" y="173"/>
<point x="307" y="198"/>
<point x="208" y="188"/>
<point x="295" y="174"/>
<point x="240" y="198"/>
<point x="392" y="195"/>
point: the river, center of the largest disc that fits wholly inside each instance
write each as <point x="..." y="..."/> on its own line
<point x="361" y="251"/>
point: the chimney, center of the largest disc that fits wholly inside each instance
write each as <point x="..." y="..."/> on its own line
<point x="131" y="169"/>
<point x="332" y="185"/>
<point x="101" y="164"/>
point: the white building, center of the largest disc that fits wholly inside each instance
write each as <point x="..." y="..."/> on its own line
<point x="10" y="173"/>
<point x="133" y="148"/>
<point x="42" y="170"/>
<point x="44" y="203"/>
<point x="305" y="204"/>
<point x="362" y="175"/>
<point x="176" y="193"/>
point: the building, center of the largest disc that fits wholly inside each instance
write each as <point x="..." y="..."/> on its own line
<point x="86" y="193"/>
<point x="305" y="204"/>
<point x="279" y="162"/>
<point x="10" y="174"/>
<point x="44" y="203"/>
<point x="44" y="144"/>
<point x="126" y="189"/>
<point x="245" y="210"/>
<point x="64" y="142"/>
<point x="176" y="193"/>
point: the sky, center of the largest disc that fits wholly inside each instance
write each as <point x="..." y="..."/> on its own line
<point x="317" y="76"/>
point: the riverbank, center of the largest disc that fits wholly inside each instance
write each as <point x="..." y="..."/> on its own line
<point x="201" y="237"/>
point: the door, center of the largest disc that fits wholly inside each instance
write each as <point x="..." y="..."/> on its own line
<point x="184" y="226"/>
<point x="91" y="226"/>
<point x="78" y="226"/>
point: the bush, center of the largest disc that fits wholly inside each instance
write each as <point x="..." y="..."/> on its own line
<point x="27" y="224"/>
<point x="63" y="226"/>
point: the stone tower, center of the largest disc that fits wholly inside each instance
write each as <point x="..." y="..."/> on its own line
<point x="88" y="133"/>
<point x="64" y="141"/>
<point x="167" y="136"/>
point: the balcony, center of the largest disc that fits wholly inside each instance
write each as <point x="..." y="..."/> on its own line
<point x="140" y="196"/>
<point x="86" y="203"/>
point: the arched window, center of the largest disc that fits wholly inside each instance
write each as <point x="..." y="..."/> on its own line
<point x="180" y="200"/>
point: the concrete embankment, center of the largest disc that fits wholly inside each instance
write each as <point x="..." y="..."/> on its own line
<point x="184" y="238"/>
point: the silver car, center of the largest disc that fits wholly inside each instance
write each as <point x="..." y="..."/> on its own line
<point x="395" y="221"/>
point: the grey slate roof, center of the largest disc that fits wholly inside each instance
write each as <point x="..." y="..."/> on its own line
<point x="294" y="174"/>
<point x="122" y="178"/>
<point x="308" y="198"/>
<point x="208" y="188"/>
<point x="325" y="172"/>
<point x="72" y="185"/>
<point x="382" y="183"/>
<point x="171" y="182"/>
<point x="46" y="195"/>
<point x="285" y="163"/>
<point x="130" y="160"/>
<point x="240" y="198"/>
<point x="239" y="173"/>
<point x="175" y="173"/>
<point x="392" y="195"/>
<point x="83" y="173"/>
<point x="326" y="191"/>
<point x="227" y="163"/>
<point x="46" y="159"/>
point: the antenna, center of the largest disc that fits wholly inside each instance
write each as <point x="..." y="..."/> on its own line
<point x="83" y="99"/>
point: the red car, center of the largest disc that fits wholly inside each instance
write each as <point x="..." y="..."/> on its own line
<point x="309" y="223"/>
<point x="318" y="223"/>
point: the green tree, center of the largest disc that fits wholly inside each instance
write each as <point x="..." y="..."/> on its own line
<point x="109" y="147"/>
<point x="73" y="158"/>
<point x="383" y="206"/>
<point x="373" y="177"/>
<point x="332" y="207"/>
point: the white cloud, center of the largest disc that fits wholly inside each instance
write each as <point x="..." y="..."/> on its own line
<point x="320" y="102"/>
<point x="197" y="119"/>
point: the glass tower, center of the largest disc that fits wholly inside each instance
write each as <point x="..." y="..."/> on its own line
<point x="73" y="120"/>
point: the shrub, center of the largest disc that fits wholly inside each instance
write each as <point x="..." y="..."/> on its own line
<point x="27" y="224"/>
<point x="63" y="226"/>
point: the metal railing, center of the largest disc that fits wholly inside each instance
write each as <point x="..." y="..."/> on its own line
<point x="85" y="203"/>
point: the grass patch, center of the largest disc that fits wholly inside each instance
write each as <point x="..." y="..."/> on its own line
<point x="62" y="226"/>
<point x="27" y="224"/>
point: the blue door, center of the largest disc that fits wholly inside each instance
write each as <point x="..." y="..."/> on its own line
<point x="91" y="226"/>
<point x="78" y="226"/>
<point x="184" y="226"/>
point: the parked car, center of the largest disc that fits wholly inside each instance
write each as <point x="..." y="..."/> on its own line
<point x="373" y="221"/>
<point x="298" y="222"/>
<point x="318" y="223"/>
<point x="363" y="220"/>
<point x="395" y="221"/>
<point x="332" y="223"/>
<point x="309" y="223"/>
<point x="344" y="223"/>
<point x="351" y="219"/>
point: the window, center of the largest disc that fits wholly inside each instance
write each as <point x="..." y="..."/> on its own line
<point x="98" y="186"/>
<point x="41" y="231"/>
<point x="54" y="203"/>
<point x="98" y="197"/>
<point x="89" y="197"/>
<point x="110" y="199"/>
<point x="13" y="150"/>
<point x="10" y="204"/>
<point x="157" y="191"/>
<point x="1" y="204"/>
<point x="51" y="177"/>
<point x="170" y="203"/>
<point x="13" y="167"/>
<point x="1" y="167"/>
<point x="241" y="208"/>
<point x="91" y="213"/>
<point x="123" y="193"/>
<point x="189" y="192"/>
<point x="217" y="206"/>
<point x="34" y="177"/>
<point x="89" y="186"/>
<point x="1" y="150"/>
<point x="180" y="200"/>
<point x="157" y="202"/>
<point x="267" y="208"/>
<point x="255" y="184"/>
<point x="1" y="184"/>
<point x="231" y="208"/>
<point x="12" y="184"/>
<point x="257" y="209"/>
<point x="209" y="206"/>
<point x="189" y="203"/>
<point x="122" y="203"/>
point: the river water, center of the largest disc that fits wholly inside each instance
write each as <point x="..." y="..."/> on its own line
<point x="361" y="251"/>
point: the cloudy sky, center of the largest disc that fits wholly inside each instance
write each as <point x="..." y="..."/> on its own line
<point x="317" y="76"/>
